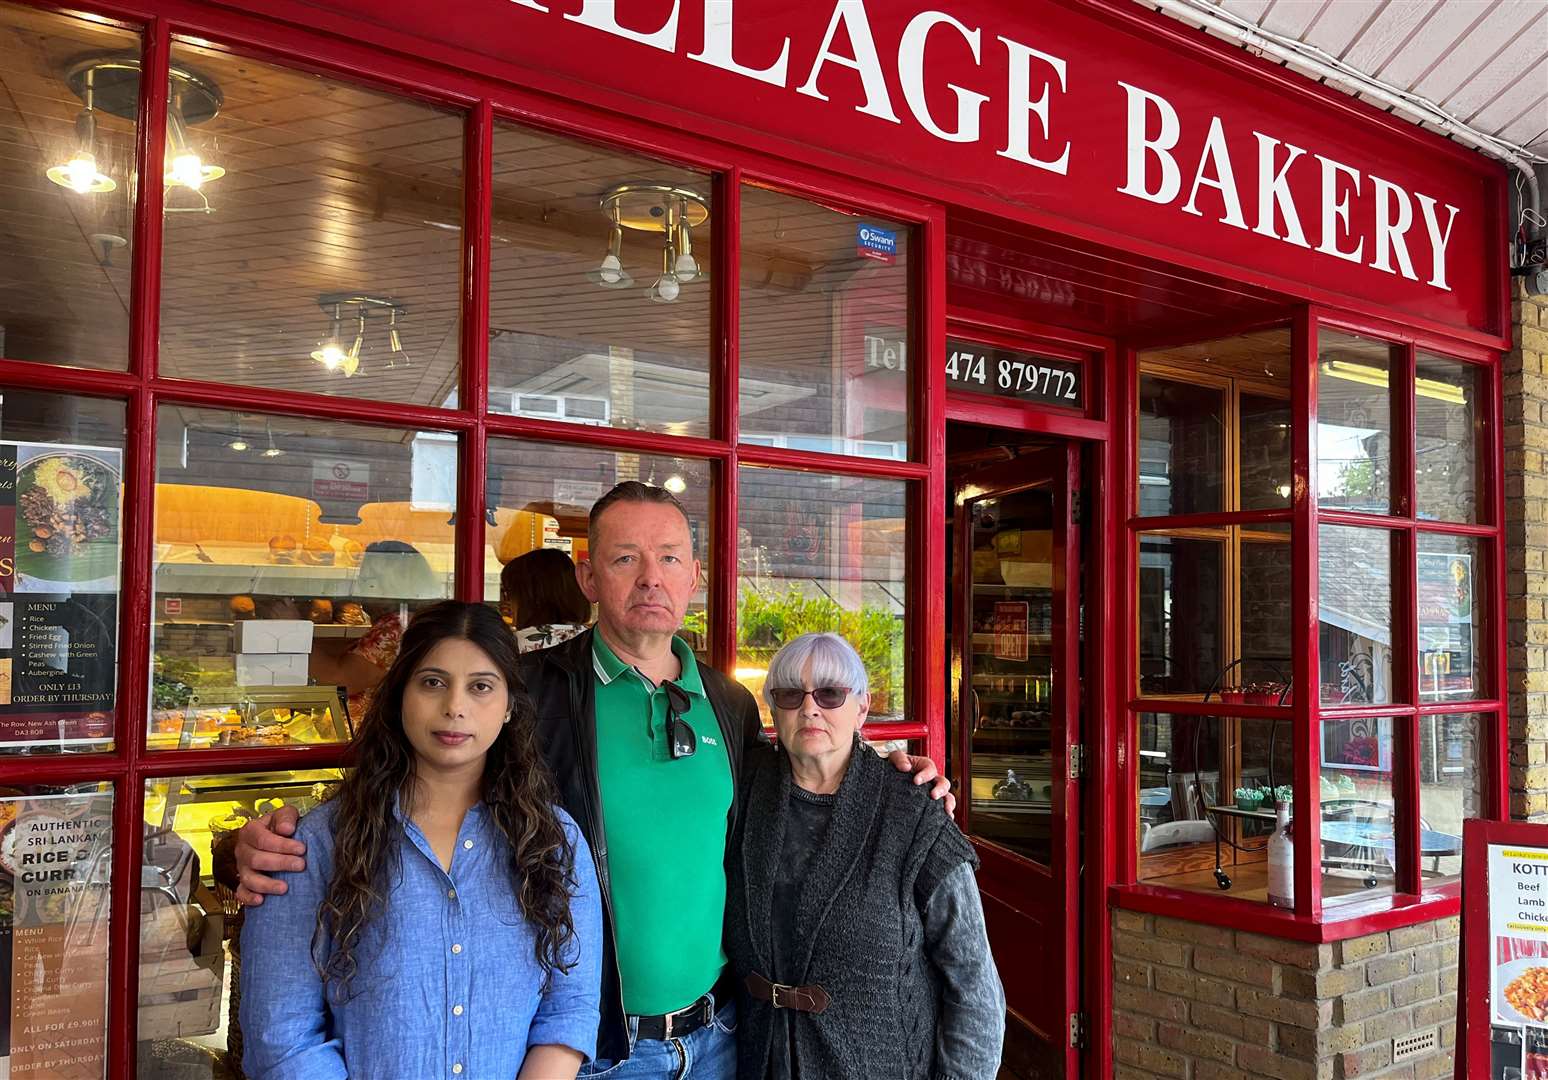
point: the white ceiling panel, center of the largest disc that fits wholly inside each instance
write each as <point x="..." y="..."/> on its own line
<point x="1483" y="61"/>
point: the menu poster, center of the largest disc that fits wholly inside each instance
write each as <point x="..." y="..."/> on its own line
<point x="59" y="565"/>
<point x="1446" y="622"/>
<point x="55" y="856"/>
<point x="1518" y="958"/>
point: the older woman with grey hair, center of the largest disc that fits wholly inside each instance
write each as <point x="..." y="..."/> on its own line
<point x="854" y="919"/>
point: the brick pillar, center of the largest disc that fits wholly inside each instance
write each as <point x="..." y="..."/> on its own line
<point x="1526" y="548"/>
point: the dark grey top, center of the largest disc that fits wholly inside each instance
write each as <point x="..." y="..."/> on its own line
<point x="972" y="1028"/>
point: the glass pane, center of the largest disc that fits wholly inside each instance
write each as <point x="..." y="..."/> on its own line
<point x="1203" y="779"/>
<point x="1265" y="617"/>
<point x="1451" y="788"/>
<point x="599" y="307"/>
<point x="818" y="553"/>
<point x="1446" y="434"/>
<point x="1354" y="423"/>
<point x="539" y="495"/>
<point x="191" y="925"/>
<point x="56" y="850"/>
<point x="1354" y="599"/>
<point x="1451" y="619"/>
<point x="1009" y="660"/>
<point x="313" y="233"/>
<point x="1182" y="647"/>
<point x="1181" y="448"/>
<point x="1265" y="452"/>
<point x="825" y="328"/>
<point x="69" y="91"/>
<point x="1358" y="815"/>
<point x="289" y="557"/>
<point x="61" y="468"/>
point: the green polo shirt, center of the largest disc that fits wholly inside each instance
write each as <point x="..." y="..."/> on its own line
<point x="666" y="834"/>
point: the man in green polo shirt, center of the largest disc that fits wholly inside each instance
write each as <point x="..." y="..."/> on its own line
<point x="645" y="747"/>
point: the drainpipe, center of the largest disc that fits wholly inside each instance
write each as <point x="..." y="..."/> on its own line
<point x="1302" y="56"/>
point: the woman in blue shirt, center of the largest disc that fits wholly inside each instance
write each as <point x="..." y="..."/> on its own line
<point x="456" y="925"/>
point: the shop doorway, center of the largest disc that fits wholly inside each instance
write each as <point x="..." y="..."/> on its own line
<point x="1014" y="733"/>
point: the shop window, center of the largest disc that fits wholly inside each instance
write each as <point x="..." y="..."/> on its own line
<point x="1451" y="789"/>
<point x="822" y="553"/>
<point x="1207" y="793"/>
<point x="1354" y="423"/>
<point x="825" y="341"/>
<point x="191" y="925"/>
<point x="1354" y="610"/>
<point x="61" y="490"/>
<point x="600" y="300"/>
<point x="1451" y="586"/>
<point x="289" y="557"/>
<point x="1182" y="614"/>
<point x="56" y="851"/>
<point x="1264" y="452"/>
<point x="1446" y="396"/>
<point x="539" y="495"/>
<point x="1181" y="448"/>
<point x="313" y="233"/>
<point x="1264" y="609"/>
<point x="1360" y="820"/>
<point x="68" y="101"/>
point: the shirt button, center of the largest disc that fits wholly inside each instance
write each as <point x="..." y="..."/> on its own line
<point x="456" y="1010"/>
<point x="456" y="949"/>
<point x="457" y="1069"/>
<point x="451" y="894"/>
<point x="466" y="844"/>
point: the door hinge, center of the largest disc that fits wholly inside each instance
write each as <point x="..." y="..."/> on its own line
<point x="1077" y="1030"/>
<point x="1077" y="760"/>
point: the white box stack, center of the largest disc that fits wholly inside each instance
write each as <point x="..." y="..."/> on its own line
<point x="273" y="652"/>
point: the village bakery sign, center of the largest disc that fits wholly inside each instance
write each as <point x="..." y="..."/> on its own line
<point x="1092" y="118"/>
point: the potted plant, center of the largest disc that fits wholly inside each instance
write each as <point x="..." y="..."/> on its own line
<point x="1249" y="798"/>
<point x="1284" y="793"/>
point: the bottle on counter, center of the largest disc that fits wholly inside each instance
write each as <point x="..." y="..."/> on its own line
<point x="1281" y="859"/>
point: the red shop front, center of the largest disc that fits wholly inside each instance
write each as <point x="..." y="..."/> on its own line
<point x="1132" y="403"/>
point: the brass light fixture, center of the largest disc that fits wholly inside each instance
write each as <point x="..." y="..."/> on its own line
<point x="666" y="210"/>
<point x="332" y="354"/>
<point x="110" y="83"/>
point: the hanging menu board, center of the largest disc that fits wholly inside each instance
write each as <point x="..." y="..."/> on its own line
<point x="59" y="565"/>
<point x="1010" y="373"/>
<point x="55" y="854"/>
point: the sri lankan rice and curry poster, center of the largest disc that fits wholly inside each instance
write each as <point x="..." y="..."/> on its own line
<point x="59" y="570"/>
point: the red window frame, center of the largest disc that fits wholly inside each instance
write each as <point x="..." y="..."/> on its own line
<point x="483" y="102"/>
<point x="1410" y="901"/>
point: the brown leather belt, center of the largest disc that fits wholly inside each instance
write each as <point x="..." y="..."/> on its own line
<point x="812" y="999"/>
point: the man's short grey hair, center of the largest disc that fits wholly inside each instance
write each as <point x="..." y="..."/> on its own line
<point x="834" y="663"/>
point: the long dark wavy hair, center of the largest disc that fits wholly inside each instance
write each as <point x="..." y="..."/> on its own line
<point x="516" y="788"/>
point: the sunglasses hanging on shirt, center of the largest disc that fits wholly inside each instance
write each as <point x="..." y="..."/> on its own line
<point x="683" y="740"/>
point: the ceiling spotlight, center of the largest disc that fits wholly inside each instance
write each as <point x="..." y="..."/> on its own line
<point x="238" y="444"/>
<point x="80" y="173"/>
<point x="686" y="267"/>
<point x="363" y="308"/>
<point x="273" y="451"/>
<point x="330" y="353"/>
<point x="675" y="484"/>
<point x="184" y="166"/>
<point x="610" y="274"/>
<point x="666" y="289"/>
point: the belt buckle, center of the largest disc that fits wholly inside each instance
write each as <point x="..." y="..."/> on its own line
<point x="774" y="989"/>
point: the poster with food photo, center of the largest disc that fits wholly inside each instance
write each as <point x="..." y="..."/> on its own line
<point x="1518" y="961"/>
<point x="59" y="566"/>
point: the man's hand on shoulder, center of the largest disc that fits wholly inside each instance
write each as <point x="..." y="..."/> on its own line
<point x="924" y="771"/>
<point x="266" y="846"/>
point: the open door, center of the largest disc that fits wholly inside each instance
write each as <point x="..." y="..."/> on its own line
<point x="1016" y="757"/>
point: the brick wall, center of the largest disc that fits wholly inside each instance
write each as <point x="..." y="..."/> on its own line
<point x="1197" y="1002"/>
<point x="1526" y="545"/>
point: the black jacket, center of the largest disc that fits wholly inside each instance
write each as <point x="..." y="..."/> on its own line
<point x="561" y="683"/>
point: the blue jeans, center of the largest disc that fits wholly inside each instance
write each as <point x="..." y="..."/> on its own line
<point x="707" y="1054"/>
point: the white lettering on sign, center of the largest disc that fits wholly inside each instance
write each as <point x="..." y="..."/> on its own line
<point x="1035" y="81"/>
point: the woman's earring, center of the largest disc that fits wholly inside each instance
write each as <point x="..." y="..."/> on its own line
<point x="508" y="714"/>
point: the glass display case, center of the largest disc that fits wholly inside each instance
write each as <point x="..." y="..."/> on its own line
<point x="247" y="716"/>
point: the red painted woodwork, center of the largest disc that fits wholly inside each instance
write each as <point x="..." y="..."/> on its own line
<point x="1102" y="46"/>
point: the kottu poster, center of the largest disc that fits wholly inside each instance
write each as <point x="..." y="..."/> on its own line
<point x="1518" y="961"/>
<point x="59" y="565"/>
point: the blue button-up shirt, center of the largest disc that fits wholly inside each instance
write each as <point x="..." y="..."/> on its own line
<point x="447" y="986"/>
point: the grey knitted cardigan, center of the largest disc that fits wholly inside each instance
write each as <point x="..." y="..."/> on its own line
<point x="858" y="922"/>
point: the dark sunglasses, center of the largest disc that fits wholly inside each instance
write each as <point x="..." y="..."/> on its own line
<point x="679" y="732"/>
<point x="826" y="697"/>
